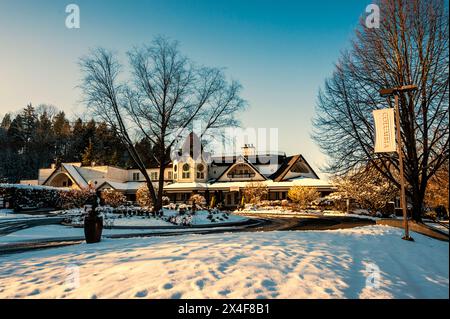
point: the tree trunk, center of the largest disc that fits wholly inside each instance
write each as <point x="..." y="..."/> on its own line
<point x="162" y="168"/>
<point x="417" y="204"/>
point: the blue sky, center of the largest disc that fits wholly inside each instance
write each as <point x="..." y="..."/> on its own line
<point x="280" y="51"/>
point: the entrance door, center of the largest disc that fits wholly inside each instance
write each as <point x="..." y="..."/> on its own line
<point x="232" y="199"/>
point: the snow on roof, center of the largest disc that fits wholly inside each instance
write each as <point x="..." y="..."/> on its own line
<point x="192" y="185"/>
<point x="73" y="172"/>
<point x="309" y="182"/>
<point x="302" y="181"/>
<point x="123" y="186"/>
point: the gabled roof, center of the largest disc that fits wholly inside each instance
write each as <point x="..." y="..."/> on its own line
<point x="128" y="186"/>
<point x="73" y="173"/>
<point x="244" y="161"/>
<point x="290" y="161"/>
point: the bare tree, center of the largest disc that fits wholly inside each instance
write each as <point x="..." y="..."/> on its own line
<point x="410" y="47"/>
<point x="166" y="93"/>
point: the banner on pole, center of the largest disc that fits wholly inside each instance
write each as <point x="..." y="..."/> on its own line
<point x="384" y="131"/>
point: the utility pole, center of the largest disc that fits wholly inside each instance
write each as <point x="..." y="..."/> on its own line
<point x="396" y="93"/>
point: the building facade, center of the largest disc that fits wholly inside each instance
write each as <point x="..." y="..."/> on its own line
<point x="223" y="177"/>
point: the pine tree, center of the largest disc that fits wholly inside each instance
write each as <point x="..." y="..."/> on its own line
<point x="62" y="131"/>
<point x="6" y="121"/>
<point x="88" y="156"/>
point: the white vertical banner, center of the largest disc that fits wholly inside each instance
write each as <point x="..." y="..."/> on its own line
<point x="384" y="131"/>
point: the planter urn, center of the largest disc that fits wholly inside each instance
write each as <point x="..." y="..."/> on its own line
<point x="93" y="228"/>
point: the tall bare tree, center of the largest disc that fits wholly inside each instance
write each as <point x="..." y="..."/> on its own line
<point x="164" y="96"/>
<point x="409" y="47"/>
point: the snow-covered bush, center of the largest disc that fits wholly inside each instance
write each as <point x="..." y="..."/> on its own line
<point x="171" y="206"/>
<point x="197" y="201"/>
<point x="76" y="198"/>
<point x="367" y="188"/>
<point x="303" y="196"/>
<point x="179" y="220"/>
<point x="20" y="197"/>
<point x="182" y="209"/>
<point x="165" y="200"/>
<point x="113" y="198"/>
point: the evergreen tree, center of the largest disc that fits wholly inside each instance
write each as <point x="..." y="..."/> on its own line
<point x="62" y="131"/>
<point x="88" y="156"/>
<point x="6" y="121"/>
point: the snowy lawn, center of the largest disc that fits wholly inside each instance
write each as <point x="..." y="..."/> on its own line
<point x="201" y="217"/>
<point x="58" y="231"/>
<point x="296" y="264"/>
<point x="9" y="214"/>
<point x="55" y="231"/>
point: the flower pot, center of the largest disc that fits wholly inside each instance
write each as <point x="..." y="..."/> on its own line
<point x="93" y="228"/>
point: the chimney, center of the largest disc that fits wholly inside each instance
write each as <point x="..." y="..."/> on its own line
<point x="248" y="150"/>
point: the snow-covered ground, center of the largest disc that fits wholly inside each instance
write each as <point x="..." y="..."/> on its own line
<point x="296" y="264"/>
<point x="9" y="214"/>
<point x="306" y="212"/>
<point x="55" y="231"/>
<point x="58" y="231"/>
<point x="201" y="217"/>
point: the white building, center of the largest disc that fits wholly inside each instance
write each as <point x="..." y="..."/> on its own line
<point x="223" y="176"/>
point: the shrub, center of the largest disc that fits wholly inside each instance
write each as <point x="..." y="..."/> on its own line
<point x="303" y="196"/>
<point x="20" y="197"/>
<point x="113" y="198"/>
<point x="197" y="200"/>
<point x="165" y="200"/>
<point x="143" y="197"/>
<point x="254" y="192"/>
<point x="76" y="198"/>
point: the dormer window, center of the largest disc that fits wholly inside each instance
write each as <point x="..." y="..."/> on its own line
<point x="200" y="171"/>
<point x="186" y="171"/>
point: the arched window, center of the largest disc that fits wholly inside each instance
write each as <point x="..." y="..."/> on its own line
<point x="186" y="171"/>
<point x="200" y="171"/>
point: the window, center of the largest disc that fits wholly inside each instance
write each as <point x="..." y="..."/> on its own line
<point x="169" y="175"/>
<point x="175" y="168"/>
<point x="154" y="175"/>
<point x="200" y="171"/>
<point x="186" y="175"/>
<point x="241" y="171"/>
<point x="136" y="176"/>
<point x="175" y="176"/>
<point x="200" y="175"/>
<point x="186" y="171"/>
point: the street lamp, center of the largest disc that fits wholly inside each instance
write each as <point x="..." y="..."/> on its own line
<point x="396" y="92"/>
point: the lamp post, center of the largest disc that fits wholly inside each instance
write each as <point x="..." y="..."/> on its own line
<point x="396" y="92"/>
